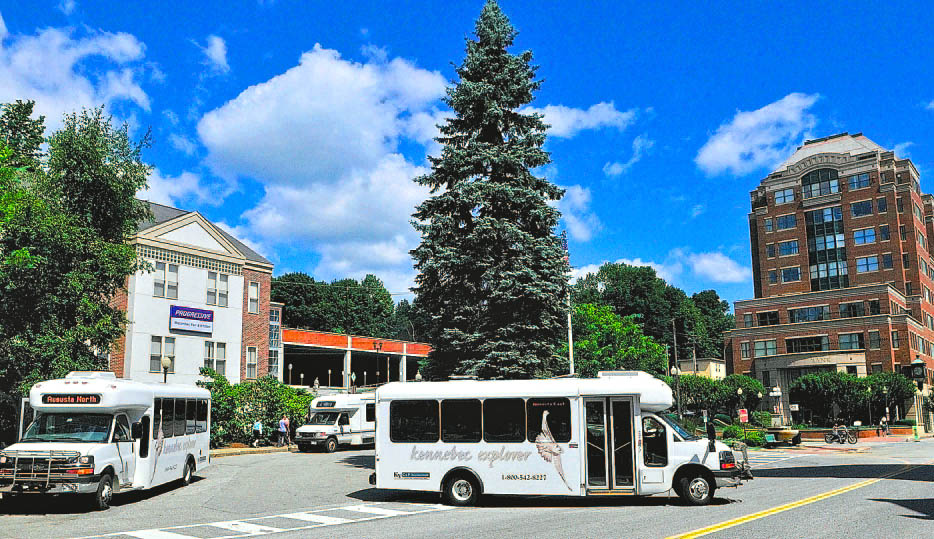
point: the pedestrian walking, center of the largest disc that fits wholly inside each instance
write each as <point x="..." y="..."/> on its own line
<point x="257" y="433"/>
<point x="288" y="431"/>
<point x="283" y="430"/>
<point x="884" y="423"/>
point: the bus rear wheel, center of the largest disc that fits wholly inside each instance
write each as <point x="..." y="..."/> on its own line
<point x="105" y="492"/>
<point x="461" y="490"/>
<point x="187" y="472"/>
<point x="695" y="489"/>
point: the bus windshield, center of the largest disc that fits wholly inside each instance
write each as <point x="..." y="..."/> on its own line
<point x="69" y="427"/>
<point x="324" y="418"/>
<point x="678" y="428"/>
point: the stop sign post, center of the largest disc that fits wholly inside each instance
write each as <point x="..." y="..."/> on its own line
<point x="743" y="418"/>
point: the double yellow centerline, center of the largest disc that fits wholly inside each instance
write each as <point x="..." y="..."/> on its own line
<point x="781" y="508"/>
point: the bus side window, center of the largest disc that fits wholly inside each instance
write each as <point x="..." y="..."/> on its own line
<point x="156" y="416"/>
<point x="559" y="418"/>
<point x="191" y="417"/>
<point x="370" y="413"/>
<point x="122" y="429"/>
<point x="414" y="421"/>
<point x="179" y="417"/>
<point x="144" y="440"/>
<point x="504" y="420"/>
<point x="202" y="425"/>
<point x="168" y="418"/>
<point x="460" y="420"/>
<point x="654" y="442"/>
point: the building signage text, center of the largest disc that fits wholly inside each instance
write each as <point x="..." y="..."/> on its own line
<point x="191" y="319"/>
<point x="70" y="399"/>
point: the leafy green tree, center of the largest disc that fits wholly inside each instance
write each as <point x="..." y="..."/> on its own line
<point x="342" y="306"/>
<point x="697" y="393"/>
<point x="59" y="264"/>
<point x="491" y="272"/>
<point x="749" y="399"/>
<point x="21" y="134"/>
<point x="409" y="321"/>
<point x="823" y="393"/>
<point x="899" y="390"/>
<point x="605" y="341"/>
<point x="717" y="319"/>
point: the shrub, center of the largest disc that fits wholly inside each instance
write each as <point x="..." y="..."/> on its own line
<point x="754" y="438"/>
<point x="724" y="418"/>
<point x="733" y="431"/>
<point x="762" y="418"/>
<point x="905" y="422"/>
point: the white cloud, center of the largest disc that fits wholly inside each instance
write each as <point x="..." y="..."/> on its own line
<point x="243" y="234"/>
<point x="215" y="54"/>
<point x="929" y="106"/>
<point x="67" y="6"/>
<point x="668" y="270"/>
<point x="580" y="221"/>
<point x="172" y="191"/>
<point x="567" y="122"/>
<point x="183" y="144"/>
<point x="3" y="31"/>
<point x="170" y="116"/>
<point x="640" y="145"/>
<point x="64" y="73"/>
<point x="718" y="268"/>
<point x="901" y="149"/>
<point x="697" y="209"/>
<point x="760" y="138"/>
<point x="322" y="139"/>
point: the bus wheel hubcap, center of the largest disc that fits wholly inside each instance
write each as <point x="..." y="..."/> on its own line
<point x="462" y="489"/>
<point x="105" y="494"/>
<point x="698" y="488"/>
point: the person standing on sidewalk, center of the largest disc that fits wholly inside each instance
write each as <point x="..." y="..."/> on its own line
<point x="283" y="430"/>
<point x="257" y="432"/>
<point x="885" y="426"/>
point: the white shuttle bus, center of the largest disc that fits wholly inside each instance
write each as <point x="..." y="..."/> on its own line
<point x="562" y="436"/>
<point x="341" y="419"/>
<point x="96" y="434"/>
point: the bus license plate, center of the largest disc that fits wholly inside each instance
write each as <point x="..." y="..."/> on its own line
<point x="70" y="487"/>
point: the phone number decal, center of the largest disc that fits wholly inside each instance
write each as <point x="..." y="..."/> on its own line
<point x="523" y="477"/>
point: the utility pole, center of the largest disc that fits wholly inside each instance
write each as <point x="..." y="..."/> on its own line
<point x="570" y="334"/>
<point x="674" y="336"/>
<point x="694" y="355"/>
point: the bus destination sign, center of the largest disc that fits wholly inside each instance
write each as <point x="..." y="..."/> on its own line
<point x="56" y="398"/>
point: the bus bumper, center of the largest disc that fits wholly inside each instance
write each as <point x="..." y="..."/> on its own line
<point x="732" y="478"/>
<point x="77" y="485"/>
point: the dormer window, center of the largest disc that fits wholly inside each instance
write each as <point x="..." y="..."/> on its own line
<point x="820" y="182"/>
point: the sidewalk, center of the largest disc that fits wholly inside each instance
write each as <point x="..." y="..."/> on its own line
<point x="233" y="451"/>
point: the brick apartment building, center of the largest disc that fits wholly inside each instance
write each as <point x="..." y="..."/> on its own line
<point x="842" y="267"/>
<point x="206" y="303"/>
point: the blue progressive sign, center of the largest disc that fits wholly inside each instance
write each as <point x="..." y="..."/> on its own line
<point x="191" y="319"/>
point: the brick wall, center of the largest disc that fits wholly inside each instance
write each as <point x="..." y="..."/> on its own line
<point x="118" y="350"/>
<point x="256" y="326"/>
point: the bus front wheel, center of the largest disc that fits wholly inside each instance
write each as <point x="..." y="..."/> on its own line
<point x="105" y="492"/>
<point x="330" y="445"/>
<point x="461" y="490"/>
<point x="695" y="489"/>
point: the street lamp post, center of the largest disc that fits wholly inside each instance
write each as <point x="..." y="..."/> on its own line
<point x="885" y="402"/>
<point x="301" y="377"/>
<point x="418" y="376"/>
<point x="290" y="374"/>
<point x="166" y="365"/>
<point x="329" y="377"/>
<point x="739" y="402"/>
<point x="676" y="372"/>
<point x="869" y="400"/>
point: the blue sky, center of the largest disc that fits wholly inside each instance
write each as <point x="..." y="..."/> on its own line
<point x="299" y="124"/>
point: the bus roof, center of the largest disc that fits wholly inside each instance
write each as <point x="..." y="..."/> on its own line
<point x="343" y="400"/>
<point x="104" y="392"/>
<point x="654" y="394"/>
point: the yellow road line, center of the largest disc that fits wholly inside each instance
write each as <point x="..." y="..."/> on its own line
<point x="775" y="510"/>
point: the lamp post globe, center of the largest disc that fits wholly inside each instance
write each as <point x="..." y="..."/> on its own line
<point x="166" y="365"/>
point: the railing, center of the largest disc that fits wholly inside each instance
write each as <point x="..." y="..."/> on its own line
<point x="23" y="466"/>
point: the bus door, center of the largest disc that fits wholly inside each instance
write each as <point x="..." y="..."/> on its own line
<point x="26" y="415"/>
<point x="609" y="453"/>
<point x="124" y="441"/>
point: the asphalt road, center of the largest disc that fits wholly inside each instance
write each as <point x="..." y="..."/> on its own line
<point x="884" y="492"/>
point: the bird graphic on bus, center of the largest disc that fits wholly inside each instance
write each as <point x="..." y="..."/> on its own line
<point x="160" y="442"/>
<point x="549" y="450"/>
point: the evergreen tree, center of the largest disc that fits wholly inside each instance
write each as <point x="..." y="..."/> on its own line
<point x="492" y="273"/>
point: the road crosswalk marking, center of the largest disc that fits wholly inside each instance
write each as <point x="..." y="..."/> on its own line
<point x="312" y="518"/>
<point x="758" y="459"/>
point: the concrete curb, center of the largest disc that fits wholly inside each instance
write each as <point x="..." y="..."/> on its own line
<point x="232" y="452"/>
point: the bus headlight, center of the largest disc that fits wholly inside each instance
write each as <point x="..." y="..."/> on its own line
<point x="3" y="459"/>
<point x="87" y="459"/>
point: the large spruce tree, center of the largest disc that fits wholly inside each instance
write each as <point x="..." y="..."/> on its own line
<point x="492" y="273"/>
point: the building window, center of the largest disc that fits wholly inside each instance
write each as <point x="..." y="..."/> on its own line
<point x="859" y="181"/>
<point x="786" y="248"/>
<point x="851" y="310"/>
<point x="908" y="290"/>
<point x="773" y="276"/>
<point x="906" y="260"/>
<point x="809" y="314"/>
<point x="770" y="250"/>
<point x="867" y="264"/>
<point x="922" y="240"/>
<point x="823" y="243"/>
<point x="165" y="282"/>
<point x="274" y="363"/>
<point x="253" y="305"/>
<point x="851" y="341"/>
<point x="874" y="306"/>
<point x="866" y="235"/>
<point x="765" y="348"/>
<point x="876" y="368"/>
<point x="215" y="356"/>
<point x="790" y="275"/>
<point x="903" y="232"/>
<point x="274" y="316"/>
<point x="217" y="289"/>
<point x="784" y="196"/>
<point x="895" y="341"/>
<point x="883" y="232"/>
<point x="765" y="379"/>
<point x="785" y="222"/>
<point x="251" y="362"/>
<point x="917" y="212"/>
<point x="161" y="347"/>
<point x="900" y="204"/>
<point x="887" y="261"/>
<point x="820" y="182"/>
<point x="747" y="320"/>
<point x="275" y="333"/>
<point x="881" y="205"/>
<point x="768" y="319"/>
<point x="851" y="369"/>
<point x="807" y="344"/>
<point x="860" y="209"/>
<point x="744" y="350"/>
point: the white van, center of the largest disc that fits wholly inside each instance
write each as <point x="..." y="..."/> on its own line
<point x="96" y="434"/>
<point x="567" y="436"/>
<point x="341" y="419"/>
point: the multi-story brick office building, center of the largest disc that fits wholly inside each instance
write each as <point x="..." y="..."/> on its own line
<point x="206" y="303"/>
<point x="842" y="266"/>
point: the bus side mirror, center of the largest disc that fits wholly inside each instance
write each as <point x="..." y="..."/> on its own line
<point x="136" y="430"/>
<point x="711" y="431"/>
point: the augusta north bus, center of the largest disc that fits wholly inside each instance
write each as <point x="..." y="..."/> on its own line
<point x="565" y="436"/>
<point x="98" y="435"/>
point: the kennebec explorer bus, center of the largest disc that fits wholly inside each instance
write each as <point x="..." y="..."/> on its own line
<point x="563" y="436"/>
<point x="96" y="434"/>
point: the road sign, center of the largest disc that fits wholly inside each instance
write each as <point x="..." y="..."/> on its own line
<point x="793" y="407"/>
<point x="705" y="415"/>
<point x="353" y="377"/>
<point x="743" y="416"/>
